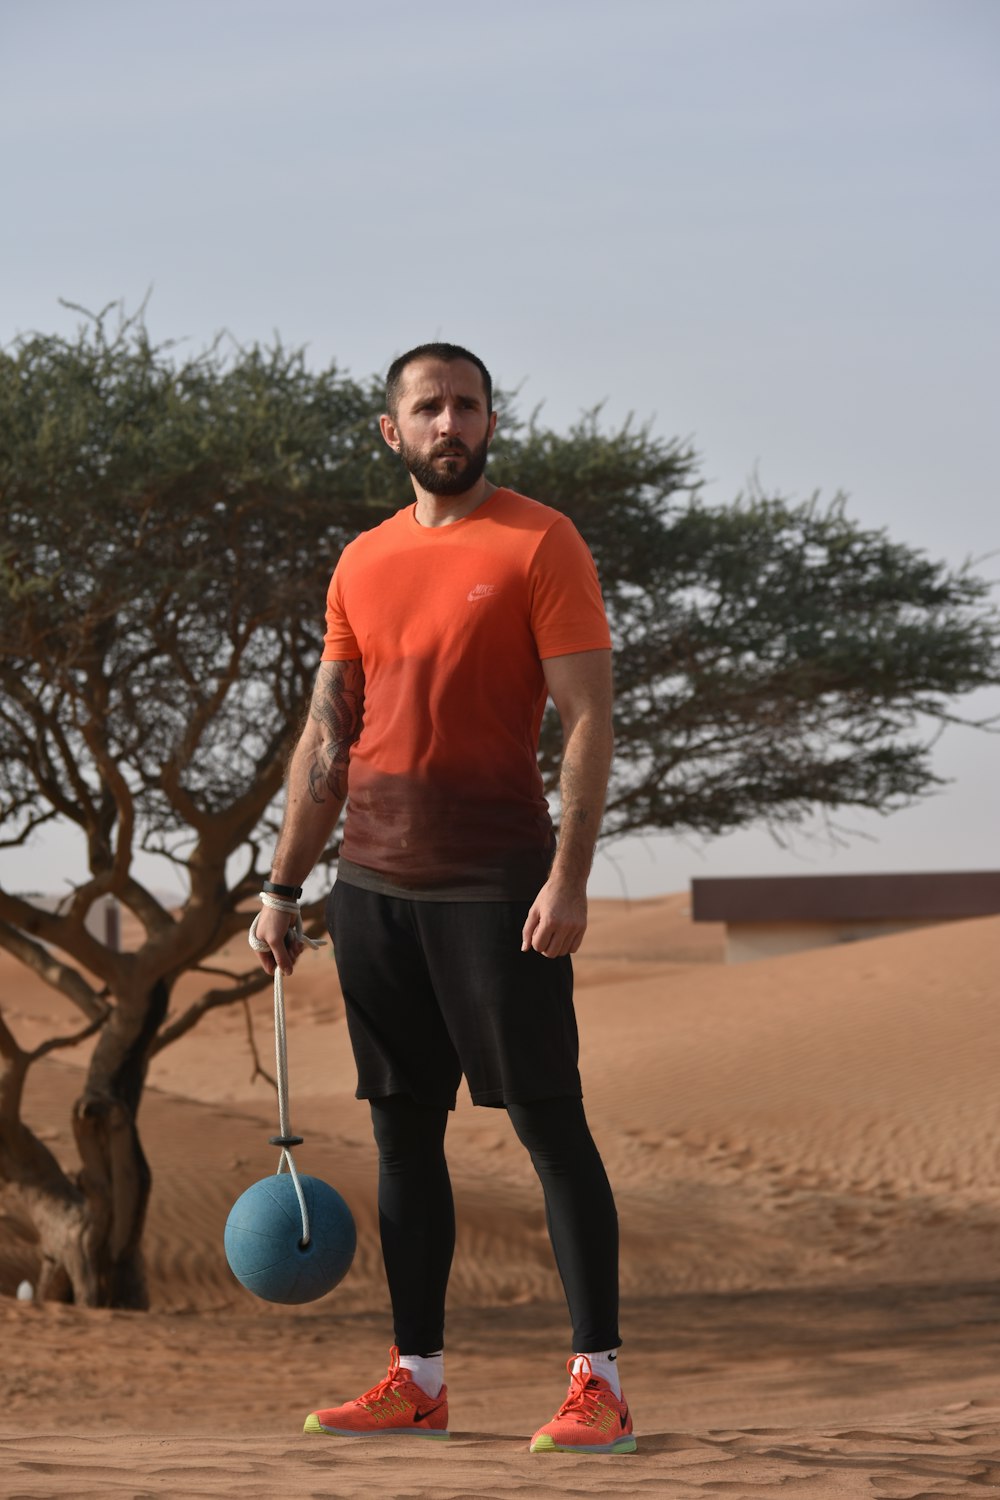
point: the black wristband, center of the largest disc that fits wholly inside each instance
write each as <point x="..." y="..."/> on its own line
<point x="290" y="892"/>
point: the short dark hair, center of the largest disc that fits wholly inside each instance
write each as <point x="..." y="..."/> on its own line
<point x="447" y="352"/>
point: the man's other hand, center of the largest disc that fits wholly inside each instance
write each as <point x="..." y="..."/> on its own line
<point x="556" y="922"/>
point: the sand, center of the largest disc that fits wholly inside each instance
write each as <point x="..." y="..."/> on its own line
<point x="805" y="1155"/>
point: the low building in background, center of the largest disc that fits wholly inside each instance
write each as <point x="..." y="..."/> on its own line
<point x="771" y="914"/>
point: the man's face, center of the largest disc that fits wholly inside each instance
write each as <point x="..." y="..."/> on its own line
<point x="442" y="430"/>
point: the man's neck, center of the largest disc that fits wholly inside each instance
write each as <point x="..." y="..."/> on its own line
<point x="442" y="510"/>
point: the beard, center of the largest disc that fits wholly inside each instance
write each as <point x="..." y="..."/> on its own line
<point x="462" y="469"/>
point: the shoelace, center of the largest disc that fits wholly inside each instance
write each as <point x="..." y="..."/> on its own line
<point x="381" y="1391"/>
<point x="580" y="1398"/>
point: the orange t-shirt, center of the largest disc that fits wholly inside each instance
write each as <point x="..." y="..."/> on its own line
<point x="452" y="624"/>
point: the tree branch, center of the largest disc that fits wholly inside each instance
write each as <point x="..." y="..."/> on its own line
<point x="251" y="983"/>
<point x="258" y="1070"/>
<point x="35" y="956"/>
<point x="53" y="1044"/>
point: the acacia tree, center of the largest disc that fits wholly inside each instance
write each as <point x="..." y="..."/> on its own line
<point x="169" y="527"/>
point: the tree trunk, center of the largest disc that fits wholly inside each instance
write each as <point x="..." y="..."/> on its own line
<point x="115" y="1178"/>
<point x="90" y="1226"/>
<point x="57" y="1211"/>
<point x="40" y="1191"/>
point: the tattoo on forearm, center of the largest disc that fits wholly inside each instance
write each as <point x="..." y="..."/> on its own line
<point x="338" y="705"/>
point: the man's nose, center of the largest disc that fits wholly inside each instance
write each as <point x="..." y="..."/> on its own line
<point x="449" y="420"/>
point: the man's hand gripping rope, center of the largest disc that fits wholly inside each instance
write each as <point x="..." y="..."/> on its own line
<point x="281" y="941"/>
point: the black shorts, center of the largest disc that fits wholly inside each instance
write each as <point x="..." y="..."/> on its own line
<point x="435" y="989"/>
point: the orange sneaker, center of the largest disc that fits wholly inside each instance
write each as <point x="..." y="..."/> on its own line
<point x="397" y="1404"/>
<point x="591" y="1420"/>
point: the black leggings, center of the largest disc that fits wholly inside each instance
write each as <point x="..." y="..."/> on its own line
<point x="417" y="1216"/>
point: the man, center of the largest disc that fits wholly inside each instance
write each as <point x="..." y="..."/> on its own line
<point x="455" y="912"/>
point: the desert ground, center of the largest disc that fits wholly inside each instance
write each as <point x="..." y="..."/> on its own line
<point x="806" y="1157"/>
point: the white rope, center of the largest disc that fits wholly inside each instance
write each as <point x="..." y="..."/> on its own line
<point x="285" y="1139"/>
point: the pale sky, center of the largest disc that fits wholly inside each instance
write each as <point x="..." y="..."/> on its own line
<point x="769" y="226"/>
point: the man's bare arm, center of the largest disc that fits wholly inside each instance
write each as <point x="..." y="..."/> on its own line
<point x="315" y="792"/>
<point x="581" y="689"/>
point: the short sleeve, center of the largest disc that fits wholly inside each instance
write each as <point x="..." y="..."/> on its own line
<point x="340" y="642"/>
<point x="567" y="610"/>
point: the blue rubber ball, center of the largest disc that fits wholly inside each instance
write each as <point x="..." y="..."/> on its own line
<point x="264" y="1239"/>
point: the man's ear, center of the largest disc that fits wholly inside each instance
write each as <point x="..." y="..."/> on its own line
<point x="387" y="427"/>
<point x="492" y="426"/>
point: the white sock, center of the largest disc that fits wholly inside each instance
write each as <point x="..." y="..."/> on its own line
<point x="427" y="1370"/>
<point x="604" y="1365"/>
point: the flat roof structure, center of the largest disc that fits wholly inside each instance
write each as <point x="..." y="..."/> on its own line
<point x="932" y="896"/>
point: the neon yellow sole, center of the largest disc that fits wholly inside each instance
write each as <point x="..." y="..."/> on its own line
<point x="545" y="1444"/>
<point x="313" y="1424"/>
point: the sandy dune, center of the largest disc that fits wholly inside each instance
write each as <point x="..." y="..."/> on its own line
<point x="806" y="1162"/>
